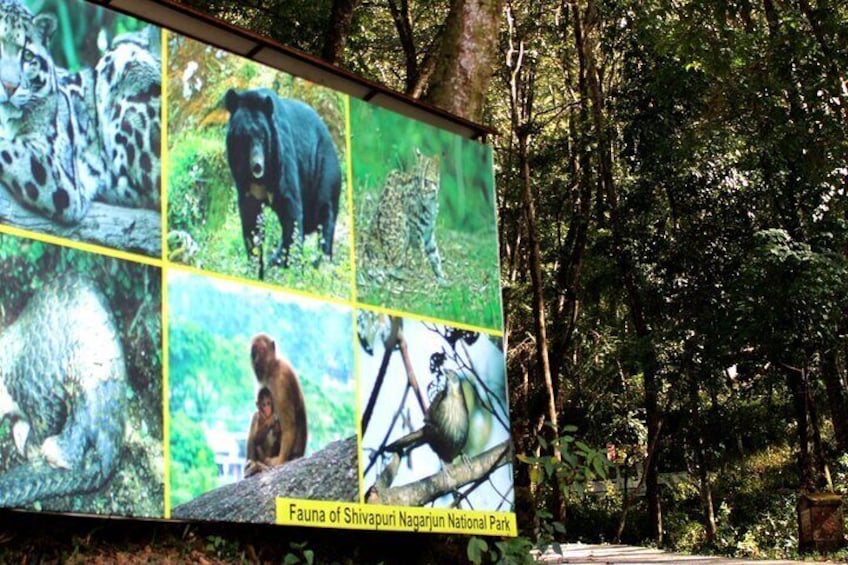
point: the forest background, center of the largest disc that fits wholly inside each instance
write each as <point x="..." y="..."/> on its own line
<point x="671" y="182"/>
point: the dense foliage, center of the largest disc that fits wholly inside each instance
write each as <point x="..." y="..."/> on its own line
<point x="691" y="218"/>
<point x="671" y="192"/>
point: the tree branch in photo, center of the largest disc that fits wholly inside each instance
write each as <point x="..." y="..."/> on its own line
<point x="395" y="335"/>
<point x="128" y="229"/>
<point x="382" y="449"/>
<point x="448" y="480"/>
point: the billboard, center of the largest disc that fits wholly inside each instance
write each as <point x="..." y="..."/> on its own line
<point x="232" y="294"/>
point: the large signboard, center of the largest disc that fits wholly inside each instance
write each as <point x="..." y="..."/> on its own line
<point x="230" y="294"/>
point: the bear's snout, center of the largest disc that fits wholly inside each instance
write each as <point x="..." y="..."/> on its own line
<point x="257" y="161"/>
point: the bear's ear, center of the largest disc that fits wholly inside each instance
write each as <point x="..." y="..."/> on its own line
<point x="268" y="106"/>
<point x="231" y="100"/>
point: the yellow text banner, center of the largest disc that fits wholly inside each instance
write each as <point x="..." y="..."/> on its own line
<point x="352" y="516"/>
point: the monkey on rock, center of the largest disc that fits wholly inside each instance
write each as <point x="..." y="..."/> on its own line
<point x="263" y="440"/>
<point x="277" y="375"/>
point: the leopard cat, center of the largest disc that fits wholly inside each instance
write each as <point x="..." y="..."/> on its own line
<point x="405" y="219"/>
<point x="69" y="138"/>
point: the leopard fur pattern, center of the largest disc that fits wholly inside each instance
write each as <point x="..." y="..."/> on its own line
<point x="405" y="220"/>
<point x="66" y="138"/>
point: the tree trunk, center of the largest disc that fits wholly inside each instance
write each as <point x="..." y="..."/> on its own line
<point x="839" y="85"/>
<point x="833" y="372"/>
<point x="522" y="83"/>
<point x="588" y="22"/>
<point x="812" y="471"/>
<point x="701" y="466"/>
<point x="539" y="316"/>
<point x="557" y="505"/>
<point x="403" y="26"/>
<point x="341" y="16"/>
<point x="796" y="381"/>
<point x="572" y="251"/>
<point x="464" y="65"/>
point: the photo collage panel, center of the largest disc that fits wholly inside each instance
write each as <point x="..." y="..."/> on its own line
<point x="231" y="294"/>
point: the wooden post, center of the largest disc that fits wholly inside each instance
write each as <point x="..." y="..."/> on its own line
<point x="820" y="522"/>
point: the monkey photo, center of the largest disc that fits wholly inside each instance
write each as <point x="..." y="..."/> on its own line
<point x="277" y="375"/>
<point x="263" y="440"/>
<point x="246" y="364"/>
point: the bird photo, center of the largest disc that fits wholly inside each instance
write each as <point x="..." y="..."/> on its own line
<point x="434" y="417"/>
<point x="445" y="428"/>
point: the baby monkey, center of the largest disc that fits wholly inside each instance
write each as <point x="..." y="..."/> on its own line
<point x="263" y="440"/>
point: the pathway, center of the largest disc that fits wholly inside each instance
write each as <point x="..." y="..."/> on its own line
<point x="578" y="553"/>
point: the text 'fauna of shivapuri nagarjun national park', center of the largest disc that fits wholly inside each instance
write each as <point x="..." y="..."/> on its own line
<point x="231" y="294"/>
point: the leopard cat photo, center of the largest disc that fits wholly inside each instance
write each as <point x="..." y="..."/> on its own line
<point x="404" y="222"/>
<point x="425" y="230"/>
<point x="70" y="137"/>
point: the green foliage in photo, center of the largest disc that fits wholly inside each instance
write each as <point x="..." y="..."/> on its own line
<point x="192" y="461"/>
<point x="204" y="227"/>
<point x="466" y="227"/>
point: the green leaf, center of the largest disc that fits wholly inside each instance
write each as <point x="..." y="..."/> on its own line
<point x="475" y="549"/>
<point x="600" y="467"/>
<point x="543" y="514"/>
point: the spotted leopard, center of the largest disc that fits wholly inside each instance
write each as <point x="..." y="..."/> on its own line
<point x="405" y="218"/>
<point x="69" y="138"/>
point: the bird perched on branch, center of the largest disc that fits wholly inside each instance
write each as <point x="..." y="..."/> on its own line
<point x="445" y="425"/>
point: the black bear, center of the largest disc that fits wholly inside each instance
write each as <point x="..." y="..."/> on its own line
<point x="280" y="153"/>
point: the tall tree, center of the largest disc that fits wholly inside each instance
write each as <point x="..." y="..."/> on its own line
<point x="338" y="29"/>
<point x="465" y="61"/>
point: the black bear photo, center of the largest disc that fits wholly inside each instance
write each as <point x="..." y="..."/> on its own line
<point x="281" y="154"/>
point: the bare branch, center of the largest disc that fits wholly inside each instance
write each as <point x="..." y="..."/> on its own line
<point x="448" y="480"/>
<point x="390" y="343"/>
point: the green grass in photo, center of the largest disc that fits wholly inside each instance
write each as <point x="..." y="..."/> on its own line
<point x="383" y="142"/>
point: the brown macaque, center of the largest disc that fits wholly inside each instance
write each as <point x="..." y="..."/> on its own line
<point x="263" y="440"/>
<point x="276" y="374"/>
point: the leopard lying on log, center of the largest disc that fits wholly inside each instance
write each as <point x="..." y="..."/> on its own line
<point x="66" y="138"/>
<point x="63" y="386"/>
